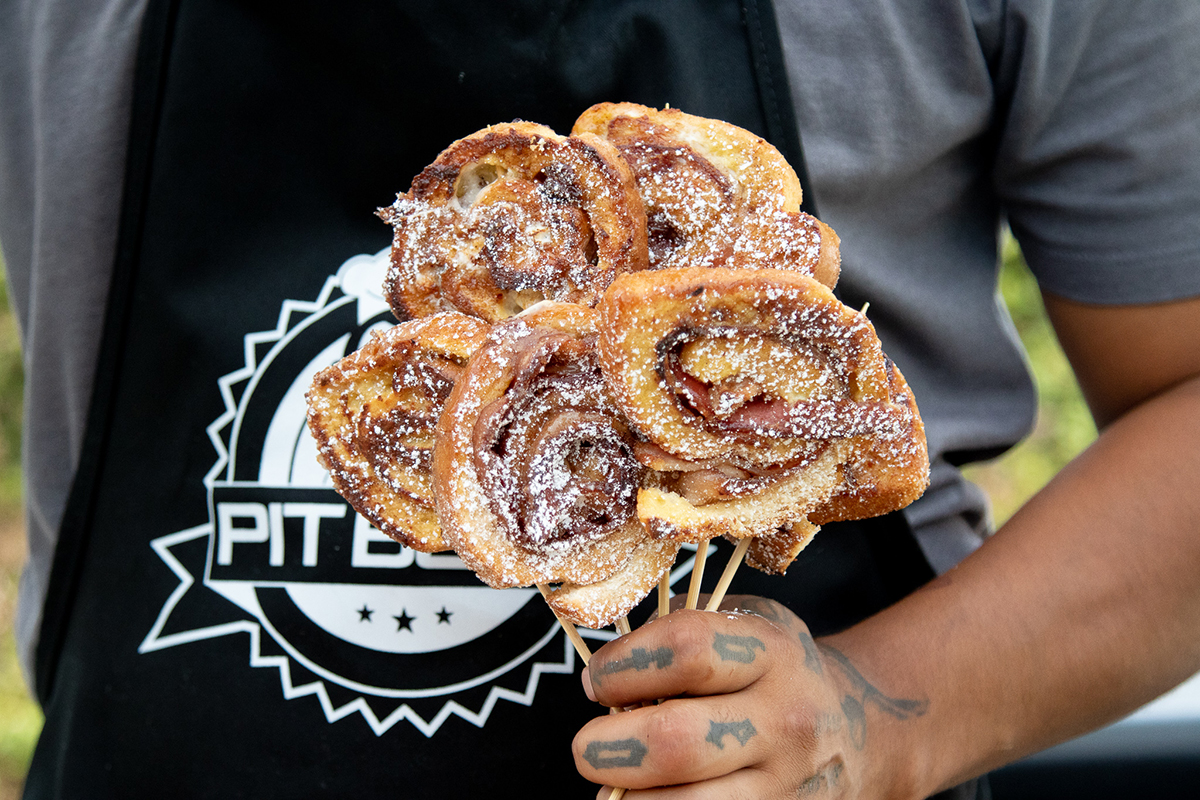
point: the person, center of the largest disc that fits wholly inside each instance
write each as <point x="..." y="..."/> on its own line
<point x="186" y="214"/>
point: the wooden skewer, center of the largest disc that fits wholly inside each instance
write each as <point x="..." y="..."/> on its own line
<point x="697" y="574"/>
<point x="568" y="626"/>
<point x="664" y="594"/>
<point x="735" y="561"/>
<point x="586" y="654"/>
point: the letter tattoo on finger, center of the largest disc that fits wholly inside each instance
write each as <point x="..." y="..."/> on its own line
<point x="742" y="731"/>
<point x="737" y="648"/>
<point x="617" y="753"/>
<point x="639" y="659"/>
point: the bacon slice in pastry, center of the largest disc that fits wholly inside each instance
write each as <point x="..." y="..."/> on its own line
<point x="764" y="402"/>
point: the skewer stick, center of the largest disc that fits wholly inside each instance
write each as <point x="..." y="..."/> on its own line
<point x="866" y="305"/>
<point x="586" y="654"/>
<point x="572" y="634"/>
<point x="664" y="588"/>
<point x="735" y="560"/>
<point x="697" y="574"/>
<point x="622" y="626"/>
<point x="664" y="594"/>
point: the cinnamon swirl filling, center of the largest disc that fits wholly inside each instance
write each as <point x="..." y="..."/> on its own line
<point x="512" y="215"/>
<point x="374" y="414"/>
<point x="535" y="469"/>
<point x="716" y="195"/>
<point x="553" y="457"/>
<point x="763" y="401"/>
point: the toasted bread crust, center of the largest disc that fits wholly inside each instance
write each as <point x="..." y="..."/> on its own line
<point x="715" y="194"/>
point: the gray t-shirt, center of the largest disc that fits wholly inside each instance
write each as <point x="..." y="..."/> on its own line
<point x="923" y="122"/>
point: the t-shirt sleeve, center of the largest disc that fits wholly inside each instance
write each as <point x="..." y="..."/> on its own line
<point x="1098" y="158"/>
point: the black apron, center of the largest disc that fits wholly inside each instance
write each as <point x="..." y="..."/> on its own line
<point x="219" y="623"/>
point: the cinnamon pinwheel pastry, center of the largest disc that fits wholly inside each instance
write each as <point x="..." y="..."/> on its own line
<point x="512" y="215"/>
<point x="763" y="401"/>
<point x="715" y="194"/>
<point x="535" y="477"/>
<point x="374" y="414"/>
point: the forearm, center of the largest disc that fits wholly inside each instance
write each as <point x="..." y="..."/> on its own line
<point x="1081" y="608"/>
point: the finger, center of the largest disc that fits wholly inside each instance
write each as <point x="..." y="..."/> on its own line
<point x="685" y="653"/>
<point x="751" y="783"/>
<point x="745" y="784"/>
<point x="676" y="742"/>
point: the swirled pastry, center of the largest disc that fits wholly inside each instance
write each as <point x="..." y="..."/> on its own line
<point x="373" y="415"/>
<point x="763" y="401"/>
<point x="715" y="194"/>
<point x="512" y="215"/>
<point x="535" y="477"/>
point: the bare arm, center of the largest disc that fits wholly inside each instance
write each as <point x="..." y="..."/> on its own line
<point x="1081" y="608"/>
<point x="1086" y="604"/>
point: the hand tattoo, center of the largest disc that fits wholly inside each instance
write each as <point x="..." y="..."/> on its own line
<point x="828" y="778"/>
<point x="617" y="753"/>
<point x="828" y="723"/>
<point x="737" y="648"/>
<point x="742" y="731"/>
<point x="854" y="707"/>
<point x="812" y="656"/>
<point x="639" y="659"/>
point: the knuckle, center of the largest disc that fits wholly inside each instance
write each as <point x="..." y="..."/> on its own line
<point x="670" y="738"/>
<point x="801" y="726"/>
<point x="692" y="646"/>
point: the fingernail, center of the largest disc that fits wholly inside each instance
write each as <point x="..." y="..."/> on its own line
<point x="587" y="684"/>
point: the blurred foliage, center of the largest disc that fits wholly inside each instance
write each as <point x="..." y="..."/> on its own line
<point x="1064" y="425"/>
<point x="20" y="717"/>
<point x="11" y="383"/>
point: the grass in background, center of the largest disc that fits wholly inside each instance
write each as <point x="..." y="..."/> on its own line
<point x="1064" y="426"/>
<point x="1063" y="429"/>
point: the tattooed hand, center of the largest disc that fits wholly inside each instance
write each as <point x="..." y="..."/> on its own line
<point x="753" y="708"/>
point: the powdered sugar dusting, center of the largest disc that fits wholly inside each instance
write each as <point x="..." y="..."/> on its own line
<point x="726" y="392"/>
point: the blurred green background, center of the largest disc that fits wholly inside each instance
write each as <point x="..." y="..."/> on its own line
<point x="20" y="719"/>
<point x="1063" y="429"/>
